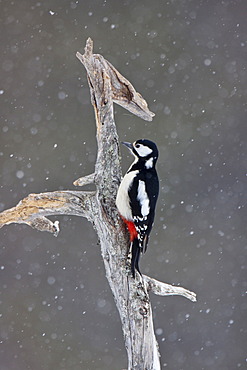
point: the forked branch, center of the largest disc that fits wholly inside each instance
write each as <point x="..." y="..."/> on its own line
<point x="107" y="85"/>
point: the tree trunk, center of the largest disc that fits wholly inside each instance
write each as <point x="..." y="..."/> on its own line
<point x="107" y="85"/>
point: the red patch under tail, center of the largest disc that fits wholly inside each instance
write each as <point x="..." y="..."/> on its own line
<point x="131" y="228"/>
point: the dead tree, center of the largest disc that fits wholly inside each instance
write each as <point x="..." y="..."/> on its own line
<point x="107" y="86"/>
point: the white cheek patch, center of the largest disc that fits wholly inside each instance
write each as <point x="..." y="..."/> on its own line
<point x="143" y="198"/>
<point x="143" y="150"/>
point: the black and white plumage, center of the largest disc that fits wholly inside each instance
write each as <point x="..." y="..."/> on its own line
<point x="137" y="196"/>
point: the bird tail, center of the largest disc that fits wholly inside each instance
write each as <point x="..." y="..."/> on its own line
<point x="135" y="256"/>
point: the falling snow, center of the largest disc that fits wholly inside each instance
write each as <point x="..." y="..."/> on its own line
<point x="188" y="60"/>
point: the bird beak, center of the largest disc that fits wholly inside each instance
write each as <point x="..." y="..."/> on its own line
<point x="129" y="145"/>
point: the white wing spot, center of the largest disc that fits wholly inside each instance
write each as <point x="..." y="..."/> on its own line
<point x="143" y="198"/>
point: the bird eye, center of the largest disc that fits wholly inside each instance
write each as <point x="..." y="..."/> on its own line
<point x="137" y="145"/>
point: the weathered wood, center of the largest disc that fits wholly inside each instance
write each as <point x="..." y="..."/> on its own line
<point x="121" y="90"/>
<point x="160" y="288"/>
<point x="107" y="85"/>
<point x="33" y="209"/>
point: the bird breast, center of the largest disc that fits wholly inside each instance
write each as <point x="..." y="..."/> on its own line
<point x="122" y="200"/>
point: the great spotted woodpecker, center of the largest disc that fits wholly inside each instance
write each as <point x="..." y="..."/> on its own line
<point x="137" y="196"/>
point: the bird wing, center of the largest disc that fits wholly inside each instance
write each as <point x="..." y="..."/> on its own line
<point x="143" y="215"/>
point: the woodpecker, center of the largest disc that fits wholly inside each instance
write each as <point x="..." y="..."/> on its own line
<point x="137" y="196"/>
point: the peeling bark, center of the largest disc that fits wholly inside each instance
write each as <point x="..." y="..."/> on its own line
<point x="107" y="85"/>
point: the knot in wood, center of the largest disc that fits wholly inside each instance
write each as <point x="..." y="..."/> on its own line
<point x="143" y="311"/>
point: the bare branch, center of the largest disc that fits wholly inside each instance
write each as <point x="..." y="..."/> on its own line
<point x="85" y="180"/>
<point x="107" y="85"/>
<point x="123" y="92"/>
<point x="125" y="95"/>
<point x="107" y="168"/>
<point x="159" y="288"/>
<point x="33" y="209"/>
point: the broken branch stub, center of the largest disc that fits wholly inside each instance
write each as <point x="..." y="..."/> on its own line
<point x="122" y="91"/>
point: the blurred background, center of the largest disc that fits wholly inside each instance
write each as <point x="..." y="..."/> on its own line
<point x="188" y="60"/>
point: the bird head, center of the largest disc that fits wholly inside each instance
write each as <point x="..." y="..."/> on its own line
<point x="144" y="150"/>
